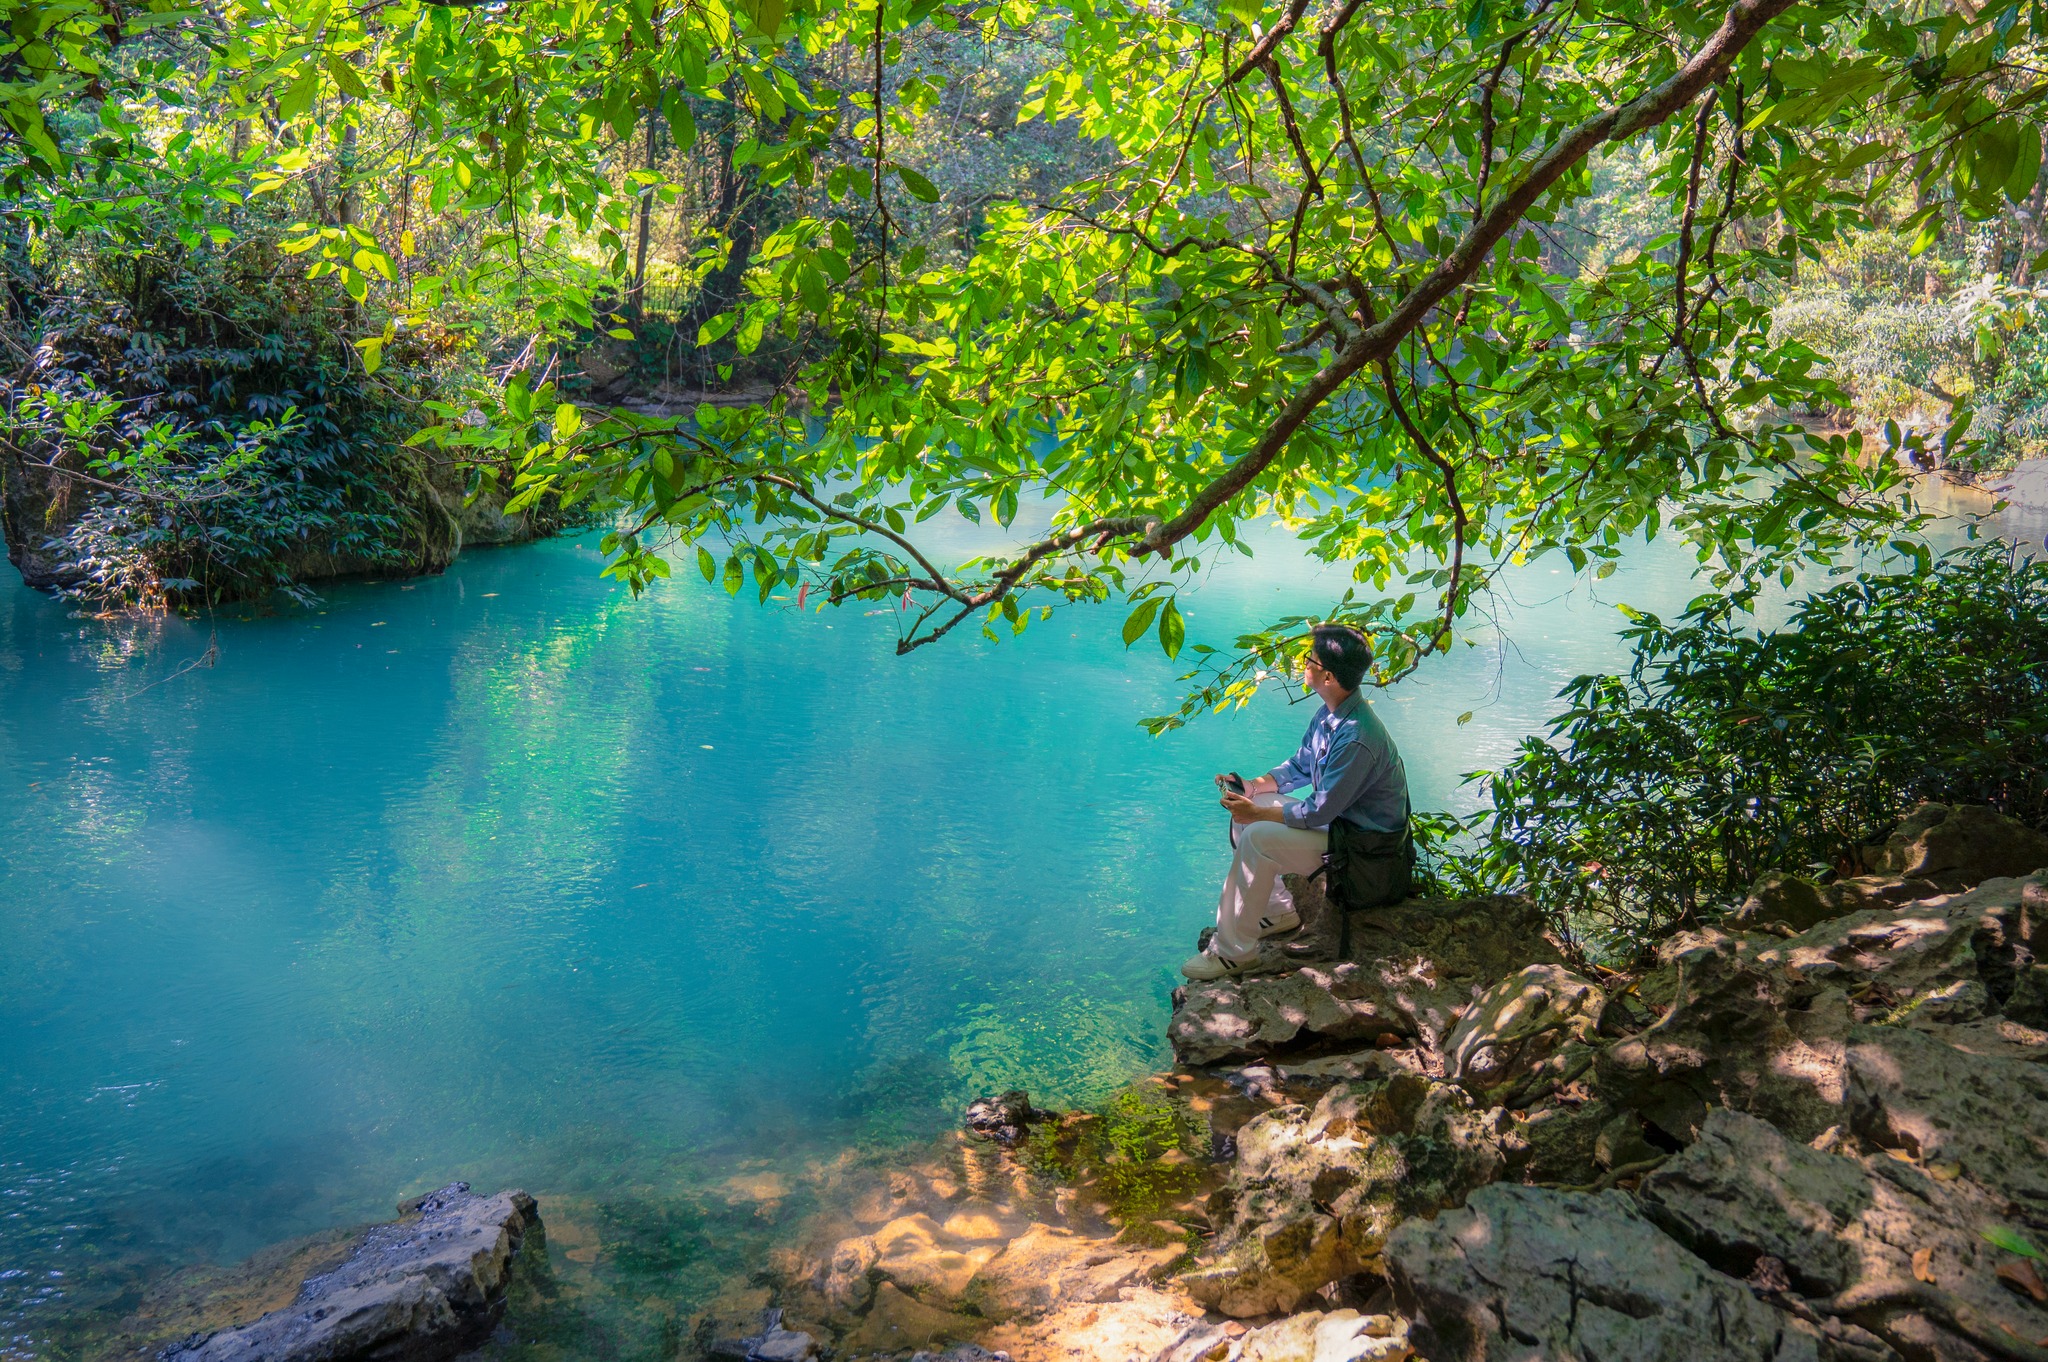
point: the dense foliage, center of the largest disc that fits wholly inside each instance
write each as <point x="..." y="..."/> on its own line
<point x="1727" y="751"/>
<point x="206" y="434"/>
<point x="1317" y="278"/>
<point x="1916" y="339"/>
<point x="1443" y="288"/>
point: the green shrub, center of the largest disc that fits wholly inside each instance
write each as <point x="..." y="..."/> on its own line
<point x="1726" y="751"/>
<point x="215" y="432"/>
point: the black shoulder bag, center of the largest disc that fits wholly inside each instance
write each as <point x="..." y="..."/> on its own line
<point x="1364" y="870"/>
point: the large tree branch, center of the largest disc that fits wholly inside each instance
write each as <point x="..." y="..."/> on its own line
<point x="1263" y="49"/>
<point x="1744" y="21"/>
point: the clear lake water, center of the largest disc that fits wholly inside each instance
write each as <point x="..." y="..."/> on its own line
<point x="642" y="905"/>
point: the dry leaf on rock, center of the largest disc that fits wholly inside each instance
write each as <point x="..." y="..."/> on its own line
<point x="2019" y="1274"/>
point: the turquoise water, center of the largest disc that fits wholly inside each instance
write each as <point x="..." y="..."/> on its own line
<point x="507" y="876"/>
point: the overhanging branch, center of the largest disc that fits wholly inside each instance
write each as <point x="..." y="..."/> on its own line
<point x="1707" y="66"/>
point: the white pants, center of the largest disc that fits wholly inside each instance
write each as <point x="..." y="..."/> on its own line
<point x="1265" y="851"/>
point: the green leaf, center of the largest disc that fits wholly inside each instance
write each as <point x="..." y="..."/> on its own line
<point x="765" y="15"/>
<point x="299" y="95"/>
<point x="1140" y="620"/>
<point x="2011" y="1240"/>
<point x="1172" y="630"/>
<point x="2026" y="168"/>
<point x="917" y="184"/>
<point x="345" y="78"/>
<point x="706" y="564"/>
<point x="568" y="420"/>
<point x="710" y="332"/>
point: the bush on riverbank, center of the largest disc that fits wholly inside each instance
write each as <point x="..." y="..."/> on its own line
<point x="1661" y="795"/>
<point x="189" y="423"/>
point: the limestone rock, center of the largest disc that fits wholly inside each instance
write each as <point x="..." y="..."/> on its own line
<point x="1986" y="1116"/>
<point x="917" y="1255"/>
<point x="1564" y="1140"/>
<point x="1511" y="1029"/>
<point x="1790" y="900"/>
<point x="1893" y="1249"/>
<point x="1526" y="1275"/>
<point x="427" y="1286"/>
<point x="1252" y="1015"/>
<point x="898" y="1323"/>
<point x="1315" y="1193"/>
<point x="1415" y="969"/>
<point x="1339" y="1336"/>
<point x="1799" y="904"/>
<point x="1905" y="952"/>
<point x="1998" y="1037"/>
<point x="1738" y="1033"/>
<point x="1962" y="843"/>
<point x="1434" y="955"/>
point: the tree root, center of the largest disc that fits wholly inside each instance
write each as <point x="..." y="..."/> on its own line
<point x="1945" y="1306"/>
<point x="1611" y="1177"/>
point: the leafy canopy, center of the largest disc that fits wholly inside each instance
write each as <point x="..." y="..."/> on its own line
<point x="1324" y="267"/>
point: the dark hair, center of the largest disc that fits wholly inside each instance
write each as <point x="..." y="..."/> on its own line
<point x="1342" y="652"/>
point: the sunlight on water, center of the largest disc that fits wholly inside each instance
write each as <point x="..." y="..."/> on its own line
<point x="506" y="876"/>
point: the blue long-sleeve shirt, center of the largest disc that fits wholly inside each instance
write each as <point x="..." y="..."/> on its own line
<point x="1348" y="759"/>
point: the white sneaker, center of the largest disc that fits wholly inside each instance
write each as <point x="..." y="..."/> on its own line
<point x="1278" y="924"/>
<point x="1208" y="965"/>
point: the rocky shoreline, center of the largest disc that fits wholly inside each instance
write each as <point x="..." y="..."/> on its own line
<point x="1818" y="1130"/>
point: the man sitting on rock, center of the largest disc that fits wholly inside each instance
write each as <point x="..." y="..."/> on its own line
<point x="1354" y="773"/>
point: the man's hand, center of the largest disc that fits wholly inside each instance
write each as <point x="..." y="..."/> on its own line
<point x="1242" y="810"/>
<point x="1255" y="786"/>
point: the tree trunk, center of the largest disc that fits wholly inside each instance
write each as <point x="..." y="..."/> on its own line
<point x="636" y="295"/>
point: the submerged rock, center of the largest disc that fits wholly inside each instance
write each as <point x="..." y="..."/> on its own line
<point x="1006" y="1119"/>
<point x="1521" y="1274"/>
<point x="899" y="1323"/>
<point x="1045" y="1269"/>
<point x="425" y="1287"/>
<point x="1339" y="1336"/>
<point x="771" y="1343"/>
